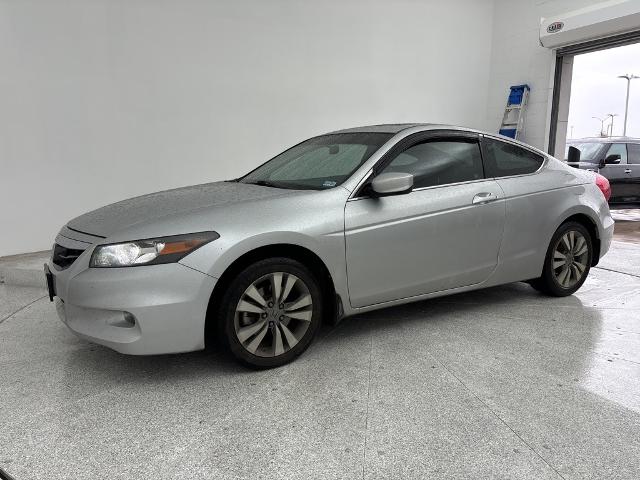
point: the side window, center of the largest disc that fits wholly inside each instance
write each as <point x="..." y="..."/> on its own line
<point x="439" y="162"/>
<point x="618" y="149"/>
<point x="503" y="159"/>
<point x="634" y="153"/>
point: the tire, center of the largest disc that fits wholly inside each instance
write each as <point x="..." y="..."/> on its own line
<point x="261" y="332"/>
<point x="566" y="246"/>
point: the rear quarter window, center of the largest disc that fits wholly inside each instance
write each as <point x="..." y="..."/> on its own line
<point x="503" y="159"/>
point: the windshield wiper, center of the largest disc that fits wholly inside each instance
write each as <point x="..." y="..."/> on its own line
<point x="265" y="183"/>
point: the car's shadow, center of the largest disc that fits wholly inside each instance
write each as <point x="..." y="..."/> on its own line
<point x="109" y="369"/>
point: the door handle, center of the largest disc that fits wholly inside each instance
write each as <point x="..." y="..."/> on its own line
<point x="627" y="170"/>
<point x="484" y="197"/>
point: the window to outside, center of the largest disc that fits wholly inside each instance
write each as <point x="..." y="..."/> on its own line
<point x="439" y="163"/>
<point x="619" y="149"/>
<point x="318" y="163"/>
<point x="504" y="159"/>
<point x="589" y="151"/>
<point x="634" y="153"/>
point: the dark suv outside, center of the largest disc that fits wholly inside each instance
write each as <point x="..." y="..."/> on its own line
<point x="617" y="158"/>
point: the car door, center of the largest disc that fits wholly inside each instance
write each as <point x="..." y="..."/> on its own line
<point x="443" y="234"/>
<point x="533" y="195"/>
<point x="615" y="172"/>
<point x="633" y="172"/>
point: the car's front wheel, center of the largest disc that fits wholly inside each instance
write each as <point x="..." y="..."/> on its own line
<point x="568" y="261"/>
<point x="270" y="312"/>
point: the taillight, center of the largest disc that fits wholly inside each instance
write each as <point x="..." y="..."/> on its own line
<point x="603" y="185"/>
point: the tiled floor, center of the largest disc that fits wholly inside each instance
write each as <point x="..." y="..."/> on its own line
<point x="499" y="383"/>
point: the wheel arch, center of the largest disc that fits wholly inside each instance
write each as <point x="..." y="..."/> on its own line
<point x="332" y="300"/>
<point x="592" y="227"/>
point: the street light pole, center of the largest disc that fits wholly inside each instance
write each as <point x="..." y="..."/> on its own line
<point x="601" y="120"/>
<point x="611" y="115"/>
<point x="628" y="78"/>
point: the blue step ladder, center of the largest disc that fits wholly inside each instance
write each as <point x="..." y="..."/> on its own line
<point x="513" y="119"/>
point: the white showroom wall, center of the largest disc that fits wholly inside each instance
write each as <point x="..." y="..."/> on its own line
<point x="517" y="58"/>
<point x="104" y="99"/>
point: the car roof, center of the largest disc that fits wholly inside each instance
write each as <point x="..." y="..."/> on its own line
<point x="396" y="128"/>
<point x="399" y="127"/>
<point x="604" y="140"/>
<point x="382" y="128"/>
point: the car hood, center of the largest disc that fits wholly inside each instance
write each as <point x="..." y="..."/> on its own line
<point x="118" y="216"/>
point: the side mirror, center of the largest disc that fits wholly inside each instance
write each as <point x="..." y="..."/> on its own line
<point x="612" y="159"/>
<point x="574" y="155"/>
<point x="392" y="184"/>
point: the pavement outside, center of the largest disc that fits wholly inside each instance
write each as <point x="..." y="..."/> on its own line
<point x="627" y="227"/>
<point x="497" y="383"/>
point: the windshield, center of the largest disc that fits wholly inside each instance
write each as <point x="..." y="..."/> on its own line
<point x="318" y="163"/>
<point x="588" y="151"/>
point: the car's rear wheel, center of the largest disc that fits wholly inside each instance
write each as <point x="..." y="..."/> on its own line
<point x="568" y="261"/>
<point x="270" y="312"/>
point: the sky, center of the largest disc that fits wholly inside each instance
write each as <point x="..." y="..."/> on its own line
<point x="596" y="92"/>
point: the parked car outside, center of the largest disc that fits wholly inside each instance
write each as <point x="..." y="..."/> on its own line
<point x="340" y="224"/>
<point x="617" y="159"/>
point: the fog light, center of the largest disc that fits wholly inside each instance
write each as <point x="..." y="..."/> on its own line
<point x="124" y="320"/>
<point x="130" y="319"/>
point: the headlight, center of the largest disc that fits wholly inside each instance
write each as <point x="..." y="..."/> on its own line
<point x="151" y="251"/>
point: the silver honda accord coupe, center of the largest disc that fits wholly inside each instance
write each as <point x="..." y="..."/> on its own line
<point x="342" y="223"/>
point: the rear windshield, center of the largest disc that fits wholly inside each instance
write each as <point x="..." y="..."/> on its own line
<point x="589" y="151"/>
<point x="318" y="163"/>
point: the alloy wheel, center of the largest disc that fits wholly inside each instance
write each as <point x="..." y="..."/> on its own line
<point x="570" y="258"/>
<point x="273" y="314"/>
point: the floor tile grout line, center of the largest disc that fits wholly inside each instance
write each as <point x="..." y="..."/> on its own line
<point x="501" y="316"/>
<point x="21" y="308"/>
<point x="596" y="307"/>
<point x="616" y="357"/>
<point x="499" y="418"/>
<point x="617" y="271"/>
<point x="366" y="420"/>
<point x="530" y="305"/>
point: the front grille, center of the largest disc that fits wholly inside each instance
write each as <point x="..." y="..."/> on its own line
<point x="63" y="257"/>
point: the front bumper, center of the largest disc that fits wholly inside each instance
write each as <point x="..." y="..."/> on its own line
<point x="144" y="310"/>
